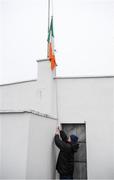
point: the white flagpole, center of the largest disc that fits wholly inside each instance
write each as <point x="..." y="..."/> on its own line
<point x="50" y="8"/>
<point x="48" y="23"/>
<point x="56" y="83"/>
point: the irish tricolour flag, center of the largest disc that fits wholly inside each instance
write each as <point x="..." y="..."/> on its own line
<point x="50" y="40"/>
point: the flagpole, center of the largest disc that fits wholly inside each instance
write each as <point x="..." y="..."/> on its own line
<point x="52" y="6"/>
<point x="56" y="84"/>
<point x="54" y="74"/>
<point x="48" y="23"/>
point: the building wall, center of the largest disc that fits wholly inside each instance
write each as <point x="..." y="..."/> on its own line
<point x="91" y="100"/>
<point x="0" y="148"/>
<point x="47" y="88"/>
<point x="39" y="95"/>
<point x="41" y="148"/>
<point x="15" y="130"/>
<point x="19" y="95"/>
<point x="27" y="146"/>
<point x="80" y="100"/>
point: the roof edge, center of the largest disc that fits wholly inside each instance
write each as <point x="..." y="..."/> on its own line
<point x="42" y="60"/>
<point x="18" y="82"/>
<point x="31" y="111"/>
<point x="85" y="77"/>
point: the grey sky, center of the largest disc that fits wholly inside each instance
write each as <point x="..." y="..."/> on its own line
<point x="84" y="37"/>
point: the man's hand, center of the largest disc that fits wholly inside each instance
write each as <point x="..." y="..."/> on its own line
<point x="57" y="131"/>
<point x="60" y="127"/>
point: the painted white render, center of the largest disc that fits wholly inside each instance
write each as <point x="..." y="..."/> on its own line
<point x="19" y="95"/>
<point x="15" y="129"/>
<point x="47" y="88"/>
<point x="27" y="145"/>
<point x="0" y="148"/>
<point x="39" y="95"/>
<point x="41" y="159"/>
<point x="87" y="100"/>
<point x="91" y="100"/>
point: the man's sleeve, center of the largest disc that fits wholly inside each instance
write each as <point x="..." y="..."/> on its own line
<point x="63" y="136"/>
<point x="60" y="144"/>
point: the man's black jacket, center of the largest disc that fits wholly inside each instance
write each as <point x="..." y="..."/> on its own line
<point x="65" y="162"/>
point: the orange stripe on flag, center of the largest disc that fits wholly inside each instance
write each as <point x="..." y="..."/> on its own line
<point x="52" y="57"/>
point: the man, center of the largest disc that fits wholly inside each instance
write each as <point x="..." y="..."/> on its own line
<point x="68" y="146"/>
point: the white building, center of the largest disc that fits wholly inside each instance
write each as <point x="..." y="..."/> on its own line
<point x="29" y="114"/>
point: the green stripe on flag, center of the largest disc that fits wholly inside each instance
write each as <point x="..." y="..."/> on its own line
<point x="50" y="31"/>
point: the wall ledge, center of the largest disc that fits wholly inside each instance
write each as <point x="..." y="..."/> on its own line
<point x="85" y="77"/>
<point x="42" y="60"/>
<point x="31" y="111"/>
<point x="18" y="82"/>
